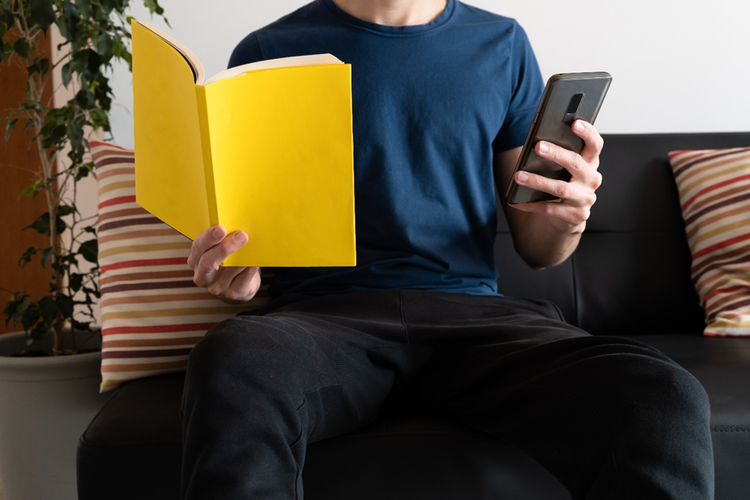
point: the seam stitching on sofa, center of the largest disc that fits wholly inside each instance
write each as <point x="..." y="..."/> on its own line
<point x="403" y="319"/>
<point x="576" y="301"/>
<point x="101" y="410"/>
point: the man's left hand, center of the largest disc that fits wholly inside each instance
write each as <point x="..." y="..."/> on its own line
<point x="570" y="212"/>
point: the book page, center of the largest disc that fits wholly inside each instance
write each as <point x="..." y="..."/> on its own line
<point x="282" y="62"/>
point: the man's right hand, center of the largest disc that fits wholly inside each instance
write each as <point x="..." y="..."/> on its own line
<point x="234" y="285"/>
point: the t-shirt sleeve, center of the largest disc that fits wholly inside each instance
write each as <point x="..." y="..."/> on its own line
<point x="246" y="52"/>
<point x="527" y="88"/>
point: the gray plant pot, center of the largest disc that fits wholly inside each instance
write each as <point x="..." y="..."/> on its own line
<point x="45" y="405"/>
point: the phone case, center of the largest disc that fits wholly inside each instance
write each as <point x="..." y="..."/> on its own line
<point x="567" y="97"/>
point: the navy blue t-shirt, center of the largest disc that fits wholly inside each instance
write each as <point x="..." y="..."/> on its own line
<point x="431" y="104"/>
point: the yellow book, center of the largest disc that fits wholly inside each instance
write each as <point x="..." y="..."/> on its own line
<point x="265" y="148"/>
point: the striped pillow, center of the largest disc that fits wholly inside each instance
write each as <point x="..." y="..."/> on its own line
<point x="714" y="187"/>
<point x="151" y="311"/>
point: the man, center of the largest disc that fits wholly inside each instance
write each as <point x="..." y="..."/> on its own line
<point x="443" y="97"/>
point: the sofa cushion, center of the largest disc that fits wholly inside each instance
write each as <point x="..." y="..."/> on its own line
<point x="714" y="187"/>
<point x="138" y="435"/>
<point x="152" y="313"/>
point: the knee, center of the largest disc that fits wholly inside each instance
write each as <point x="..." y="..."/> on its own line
<point x="243" y="342"/>
<point x="683" y="396"/>
<point x="230" y="338"/>
<point x="252" y="350"/>
<point x="649" y="384"/>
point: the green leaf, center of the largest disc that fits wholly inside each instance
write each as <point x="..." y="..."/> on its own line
<point x="8" y="52"/>
<point x="9" y="127"/>
<point x="8" y="14"/>
<point x="48" y="309"/>
<point x="153" y="6"/>
<point x="42" y="13"/>
<point x="93" y="68"/>
<point x="15" y="307"/>
<point x="104" y="47"/>
<point x="27" y="255"/>
<point x="66" y="75"/>
<point x="38" y="333"/>
<point x="21" y="47"/>
<point x="79" y="61"/>
<point x="32" y="190"/>
<point x="64" y="210"/>
<point x="54" y="136"/>
<point x="82" y="326"/>
<point x="34" y="66"/>
<point x="65" y="304"/>
<point x="30" y="316"/>
<point x="76" y="280"/>
<point x="47" y="254"/>
<point x="89" y="250"/>
<point x="42" y="225"/>
<point x="108" y="6"/>
<point x="45" y="65"/>
<point x="84" y="170"/>
<point x="84" y="6"/>
<point x="68" y="22"/>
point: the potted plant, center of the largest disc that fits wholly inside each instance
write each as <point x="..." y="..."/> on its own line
<point x="37" y="439"/>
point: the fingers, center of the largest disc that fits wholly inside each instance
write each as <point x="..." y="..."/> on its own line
<point x="577" y="164"/>
<point x="582" y="167"/>
<point x="207" y="239"/>
<point x="593" y="142"/>
<point x="571" y="191"/>
<point x="576" y="196"/>
<point x="231" y="284"/>
<point x="236" y="285"/>
<point x="244" y="286"/>
<point x="571" y="216"/>
<point x="212" y="247"/>
<point x="574" y="163"/>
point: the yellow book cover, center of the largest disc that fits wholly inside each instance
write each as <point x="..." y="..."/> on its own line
<point x="265" y="148"/>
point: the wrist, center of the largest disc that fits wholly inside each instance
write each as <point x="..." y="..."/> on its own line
<point x="566" y="228"/>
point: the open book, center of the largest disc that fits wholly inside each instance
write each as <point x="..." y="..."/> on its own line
<point x="265" y="148"/>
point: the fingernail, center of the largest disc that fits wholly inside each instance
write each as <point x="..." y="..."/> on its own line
<point x="240" y="238"/>
<point x="523" y="176"/>
<point x="543" y="147"/>
<point x="579" y="127"/>
<point x="218" y="232"/>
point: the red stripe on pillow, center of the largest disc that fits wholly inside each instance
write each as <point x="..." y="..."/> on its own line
<point x="117" y="201"/>
<point x="172" y="261"/>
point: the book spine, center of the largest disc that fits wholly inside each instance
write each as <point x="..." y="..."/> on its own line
<point x="208" y="163"/>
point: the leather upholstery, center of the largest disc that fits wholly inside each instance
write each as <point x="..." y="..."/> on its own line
<point x="630" y="276"/>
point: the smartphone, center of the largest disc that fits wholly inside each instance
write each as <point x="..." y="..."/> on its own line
<point x="567" y="97"/>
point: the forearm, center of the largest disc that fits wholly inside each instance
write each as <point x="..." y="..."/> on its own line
<point x="546" y="233"/>
<point x="540" y="243"/>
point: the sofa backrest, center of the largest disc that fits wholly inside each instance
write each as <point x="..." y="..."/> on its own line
<point x="631" y="272"/>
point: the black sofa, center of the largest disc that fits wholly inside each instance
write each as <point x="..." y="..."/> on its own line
<point x="630" y="276"/>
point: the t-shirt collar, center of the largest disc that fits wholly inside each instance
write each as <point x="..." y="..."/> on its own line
<point x="384" y="30"/>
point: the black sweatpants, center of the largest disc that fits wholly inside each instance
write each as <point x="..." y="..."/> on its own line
<point x="610" y="418"/>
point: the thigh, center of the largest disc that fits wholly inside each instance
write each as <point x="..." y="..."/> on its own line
<point x="511" y="339"/>
<point x="331" y="359"/>
<point x="598" y="412"/>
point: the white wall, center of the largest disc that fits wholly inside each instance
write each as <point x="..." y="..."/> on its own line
<point x="678" y="65"/>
